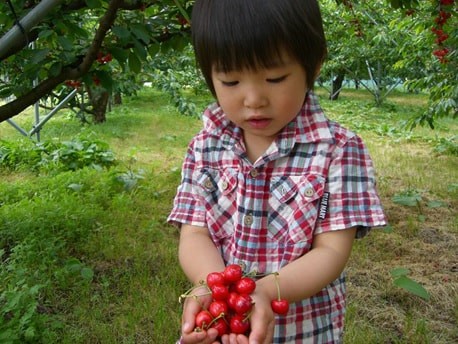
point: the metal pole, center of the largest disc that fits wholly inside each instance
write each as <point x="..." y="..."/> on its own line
<point x="38" y="126"/>
<point x="27" y="23"/>
<point x="37" y="104"/>
<point x="18" y="128"/>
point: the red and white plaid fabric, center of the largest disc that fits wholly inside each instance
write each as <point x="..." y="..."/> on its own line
<point x="265" y="215"/>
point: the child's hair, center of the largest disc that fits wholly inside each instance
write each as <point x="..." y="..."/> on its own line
<point x="236" y="34"/>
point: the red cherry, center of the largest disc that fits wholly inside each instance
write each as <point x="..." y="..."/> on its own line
<point x="231" y="299"/>
<point x="221" y="325"/>
<point x="215" y="278"/>
<point x="246" y="285"/>
<point x="219" y="292"/>
<point x="218" y="308"/>
<point x="96" y="80"/>
<point x="232" y="273"/>
<point x="108" y="57"/>
<point x="239" y="324"/>
<point x="243" y="304"/>
<point x="203" y="319"/>
<point x="280" y="306"/>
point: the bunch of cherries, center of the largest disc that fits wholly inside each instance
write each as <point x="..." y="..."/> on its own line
<point x="231" y="304"/>
<point x="441" y="52"/>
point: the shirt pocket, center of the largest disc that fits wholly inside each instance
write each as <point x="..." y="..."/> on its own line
<point x="217" y="193"/>
<point x="293" y="207"/>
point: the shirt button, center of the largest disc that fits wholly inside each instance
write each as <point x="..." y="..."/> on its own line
<point x="254" y="173"/>
<point x="208" y="184"/>
<point x="309" y="192"/>
<point x="224" y="185"/>
<point x="248" y="221"/>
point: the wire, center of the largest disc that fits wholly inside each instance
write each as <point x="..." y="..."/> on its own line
<point x="18" y="23"/>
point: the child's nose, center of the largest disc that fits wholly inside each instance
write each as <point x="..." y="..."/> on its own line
<point x="254" y="98"/>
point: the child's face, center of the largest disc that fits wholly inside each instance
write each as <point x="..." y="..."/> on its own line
<point x="263" y="101"/>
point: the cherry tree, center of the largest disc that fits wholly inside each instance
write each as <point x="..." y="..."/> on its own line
<point x="96" y="47"/>
<point x="392" y="41"/>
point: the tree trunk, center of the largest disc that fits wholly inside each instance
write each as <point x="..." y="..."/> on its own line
<point x="337" y="85"/>
<point x="99" y="106"/>
<point x="117" y="98"/>
<point x="99" y="101"/>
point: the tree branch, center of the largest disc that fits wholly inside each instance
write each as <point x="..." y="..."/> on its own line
<point x="15" y="107"/>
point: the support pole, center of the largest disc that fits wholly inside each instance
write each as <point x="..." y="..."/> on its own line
<point x="37" y="127"/>
<point x="15" y="34"/>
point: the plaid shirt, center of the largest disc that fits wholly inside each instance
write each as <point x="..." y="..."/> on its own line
<point x="316" y="177"/>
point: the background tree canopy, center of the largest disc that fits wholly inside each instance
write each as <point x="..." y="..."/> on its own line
<point x="110" y="48"/>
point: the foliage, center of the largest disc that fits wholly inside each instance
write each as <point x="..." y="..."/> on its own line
<point x="414" y="198"/>
<point x="38" y="238"/>
<point x="87" y="256"/>
<point x="87" y="45"/>
<point x="401" y="280"/>
<point x="447" y="146"/>
<point x="414" y="46"/>
<point x="174" y="72"/>
<point x="67" y="155"/>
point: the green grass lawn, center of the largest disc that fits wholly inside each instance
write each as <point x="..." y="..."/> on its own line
<point x="87" y="257"/>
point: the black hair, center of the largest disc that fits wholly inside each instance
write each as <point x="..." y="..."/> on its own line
<point x="237" y="34"/>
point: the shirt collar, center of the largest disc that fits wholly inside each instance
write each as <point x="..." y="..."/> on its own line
<point x="310" y="125"/>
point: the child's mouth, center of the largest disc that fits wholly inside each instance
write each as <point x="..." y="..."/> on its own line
<point x="259" y="123"/>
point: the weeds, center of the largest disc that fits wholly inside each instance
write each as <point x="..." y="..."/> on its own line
<point x="67" y="155"/>
<point x="86" y="255"/>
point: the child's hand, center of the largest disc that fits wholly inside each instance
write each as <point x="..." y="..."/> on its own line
<point x="262" y="322"/>
<point x="191" y="307"/>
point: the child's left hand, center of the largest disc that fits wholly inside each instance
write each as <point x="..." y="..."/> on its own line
<point x="262" y="322"/>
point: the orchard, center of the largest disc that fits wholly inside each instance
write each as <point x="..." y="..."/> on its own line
<point x="109" y="49"/>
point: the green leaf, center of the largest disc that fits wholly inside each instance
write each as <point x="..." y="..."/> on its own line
<point x="121" y="55"/>
<point x="121" y="32"/>
<point x="388" y="229"/>
<point x="436" y="204"/>
<point x="30" y="333"/>
<point x="106" y="80"/>
<point x="140" y="50"/>
<point x="93" y="3"/>
<point x="55" y="69"/>
<point x="398" y="272"/>
<point x="65" y="43"/>
<point x="408" y="200"/>
<point x="411" y="286"/>
<point x="45" y="33"/>
<point x="76" y="187"/>
<point x="39" y="55"/>
<point x="135" y="64"/>
<point x="140" y="32"/>
<point x="75" y="29"/>
<point x="87" y="274"/>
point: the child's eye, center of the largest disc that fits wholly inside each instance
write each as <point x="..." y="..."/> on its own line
<point x="277" y="80"/>
<point x="229" y="83"/>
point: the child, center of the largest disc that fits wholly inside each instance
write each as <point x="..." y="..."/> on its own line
<point x="270" y="183"/>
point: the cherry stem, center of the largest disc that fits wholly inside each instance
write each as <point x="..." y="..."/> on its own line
<point x="277" y="284"/>
<point x="188" y="292"/>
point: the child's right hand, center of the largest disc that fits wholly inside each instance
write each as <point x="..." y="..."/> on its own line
<point x="191" y="307"/>
<point x="262" y="322"/>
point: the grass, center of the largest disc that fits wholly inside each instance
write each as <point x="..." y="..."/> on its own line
<point x="123" y="240"/>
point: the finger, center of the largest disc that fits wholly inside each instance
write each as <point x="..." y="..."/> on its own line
<point x="212" y="334"/>
<point x="232" y="338"/>
<point x="241" y="339"/>
<point x="261" y="332"/>
<point x="203" y="337"/>
<point x="193" y="337"/>
<point x="225" y="339"/>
